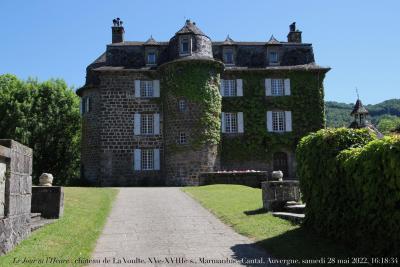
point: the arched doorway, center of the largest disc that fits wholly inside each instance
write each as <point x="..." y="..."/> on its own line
<point x="281" y="163"/>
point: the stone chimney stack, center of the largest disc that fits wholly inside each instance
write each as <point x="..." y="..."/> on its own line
<point x="117" y="31"/>
<point x="294" y="35"/>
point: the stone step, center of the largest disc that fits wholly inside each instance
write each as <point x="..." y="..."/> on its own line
<point x="293" y="217"/>
<point x="35" y="217"/>
<point x="36" y="225"/>
<point x="299" y="208"/>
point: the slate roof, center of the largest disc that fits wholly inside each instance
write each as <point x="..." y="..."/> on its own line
<point x="273" y="41"/>
<point x="228" y="41"/>
<point x="190" y="27"/>
<point x="151" y="41"/>
<point x="359" y="108"/>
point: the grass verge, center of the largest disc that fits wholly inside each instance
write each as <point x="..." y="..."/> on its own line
<point x="241" y="207"/>
<point x="71" y="237"/>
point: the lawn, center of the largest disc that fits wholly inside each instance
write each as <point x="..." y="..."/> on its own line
<point x="71" y="237"/>
<point x="241" y="208"/>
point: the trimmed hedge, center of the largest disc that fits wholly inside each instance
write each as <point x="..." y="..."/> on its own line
<point x="351" y="184"/>
<point x="371" y="218"/>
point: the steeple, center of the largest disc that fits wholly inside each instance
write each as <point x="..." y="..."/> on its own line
<point x="360" y="114"/>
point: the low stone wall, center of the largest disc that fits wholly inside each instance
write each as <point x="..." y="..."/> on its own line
<point x="252" y="179"/>
<point x="48" y="201"/>
<point x="15" y="193"/>
<point x="275" y="194"/>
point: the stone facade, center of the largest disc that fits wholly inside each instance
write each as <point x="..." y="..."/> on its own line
<point x="112" y="99"/>
<point x="16" y="191"/>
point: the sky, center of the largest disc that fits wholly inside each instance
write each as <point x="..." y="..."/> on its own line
<point x="359" y="40"/>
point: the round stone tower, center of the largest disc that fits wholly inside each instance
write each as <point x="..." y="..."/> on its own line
<point x="191" y="107"/>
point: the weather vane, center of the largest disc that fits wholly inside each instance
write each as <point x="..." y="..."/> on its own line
<point x="358" y="96"/>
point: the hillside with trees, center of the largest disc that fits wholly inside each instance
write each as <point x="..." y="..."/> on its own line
<point x="385" y="115"/>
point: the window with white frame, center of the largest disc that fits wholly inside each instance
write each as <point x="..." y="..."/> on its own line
<point x="278" y="121"/>
<point x="228" y="56"/>
<point x="147" y="159"/>
<point x="182" y="105"/>
<point x="231" y="125"/>
<point x="151" y="58"/>
<point x="273" y="57"/>
<point x="147" y="124"/>
<point x="229" y="87"/>
<point x="277" y="87"/>
<point x="185" y="45"/>
<point x="146" y="89"/>
<point x="182" y="138"/>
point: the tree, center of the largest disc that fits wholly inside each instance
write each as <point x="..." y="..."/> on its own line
<point x="44" y="116"/>
<point x="388" y="123"/>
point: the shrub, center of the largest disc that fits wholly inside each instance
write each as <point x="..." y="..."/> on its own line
<point x="371" y="177"/>
<point x="351" y="185"/>
<point x="317" y="171"/>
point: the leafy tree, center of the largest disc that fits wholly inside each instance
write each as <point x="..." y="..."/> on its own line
<point x="388" y="124"/>
<point x="44" y="116"/>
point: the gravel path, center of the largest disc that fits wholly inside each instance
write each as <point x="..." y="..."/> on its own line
<point x="148" y="226"/>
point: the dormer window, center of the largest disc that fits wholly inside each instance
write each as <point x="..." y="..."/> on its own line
<point x="151" y="58"/>
<point x="228" y="56"/>
<point x="273" y="58"/>
<point x="185" y="46"/>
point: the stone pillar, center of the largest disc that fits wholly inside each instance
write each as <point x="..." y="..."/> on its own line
<point x="275" y="194"/>
<point x="16" y="192"/>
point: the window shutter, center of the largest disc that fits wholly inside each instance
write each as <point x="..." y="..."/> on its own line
<point x="288" y="121"/>
<point x="269" y="121"/>
<point x="156" y="121"/>
<point x="137" y="88"/>
<point x="88" y="107"/>
<point x="287" y="86"/>
<point x="223" y="122"/>
<point x="221" y="87"/>
<point x="239" y="87"/>
<point x="81" y="106"/>
<point x="156" y="156"/>
<point x="137" y="159"/>
<point x="268" y="86"/>
<point x="156" y="88"/>
<point x="240" y="122"/>
<point x="137" y="121"/>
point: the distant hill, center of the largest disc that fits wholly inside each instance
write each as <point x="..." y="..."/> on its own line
<point x="338" y="114"/>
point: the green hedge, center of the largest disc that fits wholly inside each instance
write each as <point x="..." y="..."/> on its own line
<point x="371" y="218"/>
<point x="351" y="185"/>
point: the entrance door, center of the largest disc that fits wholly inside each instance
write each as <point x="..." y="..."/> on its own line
<point x="281" y="163"/>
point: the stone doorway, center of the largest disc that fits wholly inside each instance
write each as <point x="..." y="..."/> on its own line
<point x="281" y="163"/>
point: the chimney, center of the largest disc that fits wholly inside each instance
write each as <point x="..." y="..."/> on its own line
<point x="294" y="35"/>
<point x="117" y="31"/>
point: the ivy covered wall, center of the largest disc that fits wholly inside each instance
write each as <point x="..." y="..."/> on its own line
<point x="196" y="82"/>
<point x="305" y="102"/>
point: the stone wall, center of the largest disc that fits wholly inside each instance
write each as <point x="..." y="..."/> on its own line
<point x="90" y="145"/>
<point x="252" y="179"/>
<point x="108" y="141"/>
<point x="16" y="190"/>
